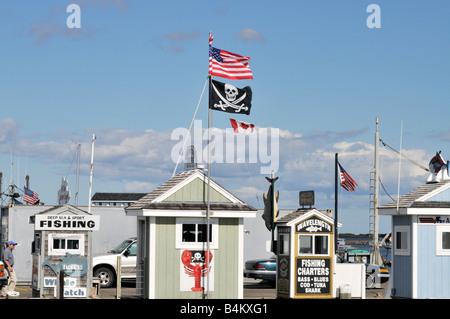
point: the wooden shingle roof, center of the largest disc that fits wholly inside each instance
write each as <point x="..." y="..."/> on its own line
<point x="149" y="201"/>
<point x="411" y="199"/>
<point x="117" y="197"/>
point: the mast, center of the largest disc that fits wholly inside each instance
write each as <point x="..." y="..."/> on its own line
<point x="376" y="257"/>
<point x="78" y="173"/>
<point x="335" y="202"/>
<point x="90" y="178"/>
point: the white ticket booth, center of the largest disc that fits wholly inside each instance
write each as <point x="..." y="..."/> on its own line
<point x="62" y="247"/>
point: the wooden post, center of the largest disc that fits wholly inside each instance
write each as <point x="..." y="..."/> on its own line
<point x="60" y="285"/>
<point x="119" y="277"/>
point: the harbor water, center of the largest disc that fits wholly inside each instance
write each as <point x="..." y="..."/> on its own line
<point x="362" y="243"/>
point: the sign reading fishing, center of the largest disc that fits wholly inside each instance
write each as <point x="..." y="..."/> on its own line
<point x="67" y="222"/>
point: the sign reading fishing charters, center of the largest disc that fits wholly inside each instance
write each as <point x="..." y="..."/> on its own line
<point x="66" y="222"/>
<point x="313" y="276"/>
<point x="313" y="225"/>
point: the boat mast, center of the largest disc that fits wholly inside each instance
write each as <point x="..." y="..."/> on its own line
<point x="376" y="257"/>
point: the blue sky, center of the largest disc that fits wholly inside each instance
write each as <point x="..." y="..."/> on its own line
<point x="135" y="71"/>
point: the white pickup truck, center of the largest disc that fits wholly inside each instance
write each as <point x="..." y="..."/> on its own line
<point x="105" y="266"/>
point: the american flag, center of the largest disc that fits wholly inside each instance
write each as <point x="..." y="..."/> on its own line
<point x="29" y="196"/>
<point x="346" y="181"/>
<point x="228" y="65"/>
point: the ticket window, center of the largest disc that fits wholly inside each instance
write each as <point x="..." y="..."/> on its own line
<point x="283" y="244"/>
<point x="283" y="262"/>
<point x="60" y="244"/>
<point x="314" y="245"/>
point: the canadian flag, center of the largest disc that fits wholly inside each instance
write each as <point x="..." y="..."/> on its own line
<point x="239" y="126"/>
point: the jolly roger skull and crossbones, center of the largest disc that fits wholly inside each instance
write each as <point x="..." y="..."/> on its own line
<point x="231" y="99"/>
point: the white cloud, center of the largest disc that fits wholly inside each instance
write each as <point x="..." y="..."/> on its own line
<point x="43" y="31"/>
<point x="250" y="35"/>
<point x="139" y="161"/>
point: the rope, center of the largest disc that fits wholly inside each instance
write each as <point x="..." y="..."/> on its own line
<point x="412" y="161"/>
<point x="192" y="122"/>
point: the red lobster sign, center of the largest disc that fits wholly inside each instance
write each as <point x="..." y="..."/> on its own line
<point x="196" y="266"/>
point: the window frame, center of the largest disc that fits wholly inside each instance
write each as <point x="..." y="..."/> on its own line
<point x="180" y="244"/>
<point x="52" y="251"/>
<point x="405" y="249"/>
<point x="313" y="244"/>
<point x="440" y="230"/>
<point x="284" y="240"/>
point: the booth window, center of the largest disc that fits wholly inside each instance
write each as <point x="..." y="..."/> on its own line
<point x="191" y="233"/>
<point x="283" y="242"/>
<point x="402" y="240"/>
<point x="59" y="244"/>
<point x="443" y="240"/>
<point x="313" y="244"/>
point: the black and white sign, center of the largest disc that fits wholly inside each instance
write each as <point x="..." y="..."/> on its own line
<point x="66" y="222"/>
<point x="314" y="225"/>
<point x="313" y="275"/>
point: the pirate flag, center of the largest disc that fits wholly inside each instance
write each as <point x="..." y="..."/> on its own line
<point x="228" y="98"/>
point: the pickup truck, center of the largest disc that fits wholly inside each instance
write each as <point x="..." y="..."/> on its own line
<point x="3" y="275"/>
<point x="105" y="266"/>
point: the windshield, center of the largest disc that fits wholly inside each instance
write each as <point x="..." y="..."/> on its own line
<point x="121" y="247"/>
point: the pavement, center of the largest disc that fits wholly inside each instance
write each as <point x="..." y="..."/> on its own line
<point x="253" y="289"/>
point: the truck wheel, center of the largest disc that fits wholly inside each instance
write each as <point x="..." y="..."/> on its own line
<point x="106" y="275"/>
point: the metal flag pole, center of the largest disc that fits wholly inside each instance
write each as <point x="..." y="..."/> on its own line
<point x="206" y="295"/>
<point x="336" y="202"/>
<point x="90" y="178"/>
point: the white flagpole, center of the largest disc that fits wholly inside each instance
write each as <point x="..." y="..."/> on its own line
<point x="90" y="179"/>
<point x="209" y="192"/>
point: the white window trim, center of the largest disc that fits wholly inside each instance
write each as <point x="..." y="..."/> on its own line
<point x="313" y="243"/>
<point x="61" y="252"/>
<point x="439" y="230"/>
<point x="402" y="251"/>
<point x="179" y="244"/>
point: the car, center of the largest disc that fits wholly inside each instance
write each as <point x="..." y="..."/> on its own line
<point x="105" y="266"/>
<point x="265" y="268"/>
<point x="376" y="275"/>
<point x="3" y="275"/>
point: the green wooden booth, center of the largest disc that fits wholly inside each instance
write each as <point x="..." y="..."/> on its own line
<point x="172" y="258"/>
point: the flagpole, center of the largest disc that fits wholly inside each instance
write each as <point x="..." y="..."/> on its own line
<point x="336" y="201"/>
<point x="208" y="193"/>
<point x="90" y="178"/>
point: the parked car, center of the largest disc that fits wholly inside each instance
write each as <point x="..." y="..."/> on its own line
<point x="3" y="275"/>
<point x="376" y="275"/>
<point x="105" y="266"/>
<point x="265" y="269"/>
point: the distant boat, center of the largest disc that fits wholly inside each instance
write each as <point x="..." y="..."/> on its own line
<point x="342" y="246"/>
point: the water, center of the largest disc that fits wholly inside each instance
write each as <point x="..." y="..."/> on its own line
<point x="384" y="252"/>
